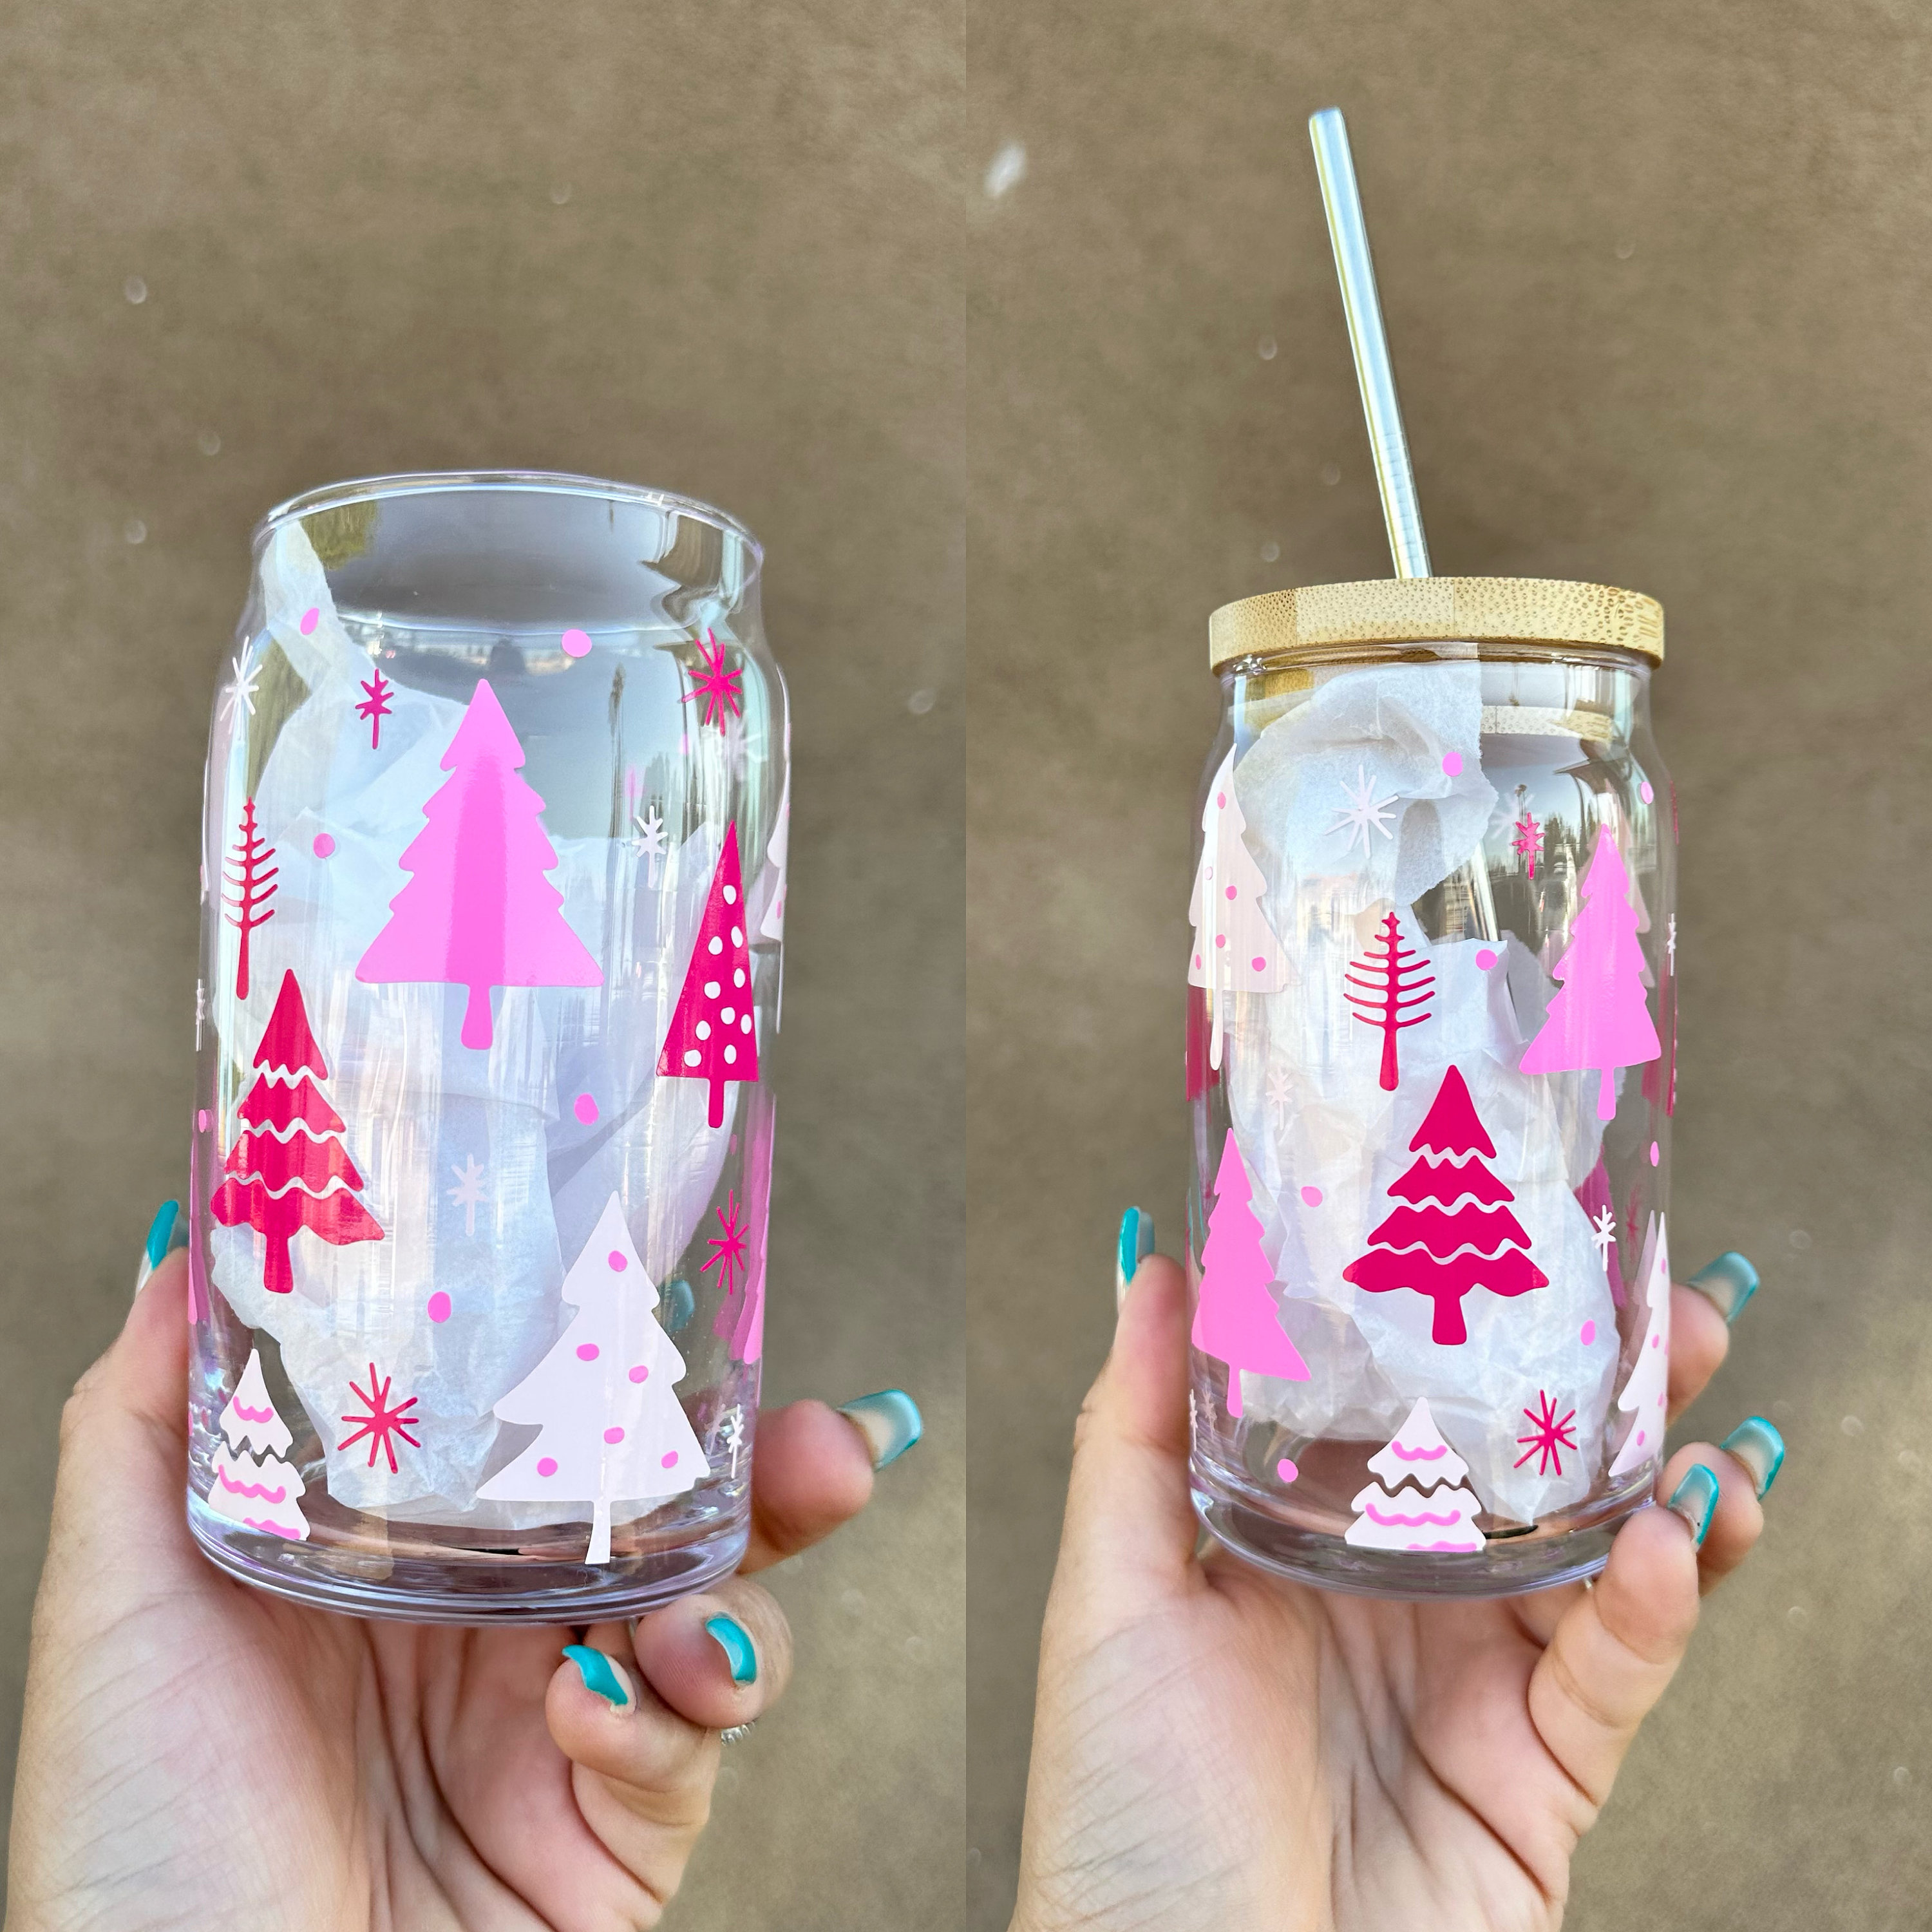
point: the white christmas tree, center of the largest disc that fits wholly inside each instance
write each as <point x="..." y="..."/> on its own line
<point x="258" y="1490"/>
<point x="1648" y="1392"/>
<point x="613" y="1429"/>
<point x="1235" y="949"/>
<point x="1421" y="1501"/>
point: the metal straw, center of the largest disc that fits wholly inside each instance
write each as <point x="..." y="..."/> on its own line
<point x="1355" y="265"/>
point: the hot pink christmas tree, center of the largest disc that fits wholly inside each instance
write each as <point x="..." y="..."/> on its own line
<point x="1598" y="1019"/>
<point x="289" y="1170"/>
<point x="714" y="1032"/>
<point x="1461" y="1235"/>
<point x="1235" y="949"/>
<point x="1236" y="1320"/>
<point x="480" y="911"/>
<point x="613" y="1430"/>
<point x="1390" y="987"/>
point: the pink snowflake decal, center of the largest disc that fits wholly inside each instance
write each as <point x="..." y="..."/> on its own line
<point x="375" y="707"/>
<point x="1528" y="840"/>
<point x="715" y="687"/>
<point x="1550" y="1435"/>
<point x="729" y="1250"/>
<point x="380" y="1422"/>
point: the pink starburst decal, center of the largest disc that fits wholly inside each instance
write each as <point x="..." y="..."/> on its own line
<point x="1528" y="840"/>
<point x="729" y="1249"/>
<point x="375" y="707"/>
<point x="379" y="1422"/>
<point x="1550" y="1435"/>
<point x="716" y="688"/>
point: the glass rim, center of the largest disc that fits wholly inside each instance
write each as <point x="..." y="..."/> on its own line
<point x="456" y="482"/>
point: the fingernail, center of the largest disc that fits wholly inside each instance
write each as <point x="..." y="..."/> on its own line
<point x="680" y="1304"/>
<point x="156" y="1248"/>
<point x="1136" y="1244"/>
<point x="1728" y="1283"/>
<point x="1694" y="1498"/>
<point x="735" y="1641"/>
<point x="889" y="1421"/>
<point x="1759" y="1447"/>
<point x="604" y="1675"/>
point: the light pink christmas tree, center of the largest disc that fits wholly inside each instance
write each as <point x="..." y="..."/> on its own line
<point x="714" y="1032"/>
<point x="1646" y="1395"/>
<point x="1420" y="1499"/>
<point x="1598" y="1019"/>
<point x="253" y="1481"/>
<point x="613" y="1430"/>
<point x="1236" y="1320"/>
<point x="480" y="911"/>
<point x="1235" y="949"/>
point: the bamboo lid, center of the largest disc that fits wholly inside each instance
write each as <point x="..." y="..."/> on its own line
<point x="1288" y="624"/>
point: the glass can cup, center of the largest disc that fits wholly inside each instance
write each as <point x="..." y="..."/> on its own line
<point x="493" y="896"/>
<point x="1432" y="1053"/>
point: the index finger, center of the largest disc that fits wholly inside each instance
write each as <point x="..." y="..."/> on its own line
<point x="811" y="1470"/>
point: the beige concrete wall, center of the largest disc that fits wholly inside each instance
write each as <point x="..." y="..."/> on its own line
<point x="1660" y="281"/>
<point x="706" y="247"/>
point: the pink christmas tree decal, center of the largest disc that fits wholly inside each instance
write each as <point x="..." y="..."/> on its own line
<point x="251" y="878"/>
<point x="1528" y="840"/>
<point x="289" y="1169"/>
<point x="714" y="1032"/>
<point x="375" y="706"/>
<point x="612" y="1428"/>
<point x="1454" y="1231"/>
<point x="480" y="911"/>
<point x="1598" y="1019"/>
<point x="1236" y="1320"/>
<point x="1395" y="985"/>
<point x="1235" y="949"/>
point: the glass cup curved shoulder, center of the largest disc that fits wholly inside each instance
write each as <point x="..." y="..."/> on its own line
<point x="1431" y="1064"/>
<point x="494" y="892"/>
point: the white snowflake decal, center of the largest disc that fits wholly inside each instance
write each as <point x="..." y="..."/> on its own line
<point x="1670" y="942"/>
<point x="200" y="1011"/>
<point x="1603" y="1231"/>
<point x="731" y="1434"/>
<point x="240" y="690"/>
<point x="1280" y="1082"/>
<point x="650" y="842"/>
<point x="1364" y="813"/>
<point x="467" y="1194"/>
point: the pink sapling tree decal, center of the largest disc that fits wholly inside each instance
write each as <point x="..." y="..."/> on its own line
<point x="1598" y="1019"/>
<point x="1528" y="841"/>
<point x="1235" y="949"/>
<point x="480" y="911"/>
<point x="1393" y="985"/>
<point x="288" y="1169"/>
<point x="612" y="1428"/>
<point x="1454" y="1230"/>
<point x="375" y="706"/>
<point x="1236" y="1320"/>
<point x="250" y="880"/>
<point x="714" y="1034"/>
<point x="254" y="1482"/>
<point x="1419" y="1500"/>
<point x="716" y="688"/>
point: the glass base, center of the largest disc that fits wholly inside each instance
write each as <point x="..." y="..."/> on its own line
<point x="426" y="1588"/>
<point x="1506" y="1567"/>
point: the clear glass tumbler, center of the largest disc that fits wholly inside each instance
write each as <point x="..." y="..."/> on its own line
<point x="493" y="891"/>
<point x="1432" y="1063"/>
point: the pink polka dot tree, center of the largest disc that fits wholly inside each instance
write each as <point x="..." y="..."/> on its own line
<point x="713" y="1035"/>
<point x="613" y="1430"/>
<point x="1235" y="949"/>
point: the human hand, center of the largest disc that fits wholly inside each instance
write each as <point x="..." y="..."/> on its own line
<point x="196" y="1752"/>
<point x="1214" y="1748"/>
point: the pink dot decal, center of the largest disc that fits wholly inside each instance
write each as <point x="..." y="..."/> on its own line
<point x="1231" y="891"/>
<point x="670" y="1461"/>
<point x="324" y="845"/>
<point x="1644" y="792"/>
<point x="1655" y="1153"/>
<point x="585" y="1108"/>
<point x="1486" y="958"/>
<point x="438" y="1307"/>
<point x="1312" y="1195"/>
<point x="613" y="1436"/>
<point x="1452" y="763"/>
<point x="618" y="1263"/>
<point x="1258" y="964"/>
<point x="1286" y="1470"/>
<point x="1589" y="1333"/>
<point x="576" y="644"/>
<point x="638" y="1374"/>
<point x="587" y="1351"/>
<point x="547" y="1465"/>
<point x="202" y="1119"/>
<point x="310" y="619"/>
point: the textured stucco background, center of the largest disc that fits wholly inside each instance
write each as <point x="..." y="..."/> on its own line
<point x="1660" y="284"/>
<point x="711" y="248"/>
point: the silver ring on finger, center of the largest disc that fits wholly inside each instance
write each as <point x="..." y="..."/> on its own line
<point x="736" y="1731"/>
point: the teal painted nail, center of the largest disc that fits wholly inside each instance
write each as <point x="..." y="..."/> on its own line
<point x="160" y="1232"/>
<point x="679" y="1303"/>
<point x="1695" y="1498"/>
<point x="1759" y="1447"/>
<point x="735" y="1641"/>
<point x="889" y="1421"/>
<point x="1136" y="1243"/>
<point x="1729" y="1282"/>
<point x="601" y="1675"/>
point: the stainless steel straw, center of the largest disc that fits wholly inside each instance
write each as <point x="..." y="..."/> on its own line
<point x="1394" y="475"/>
